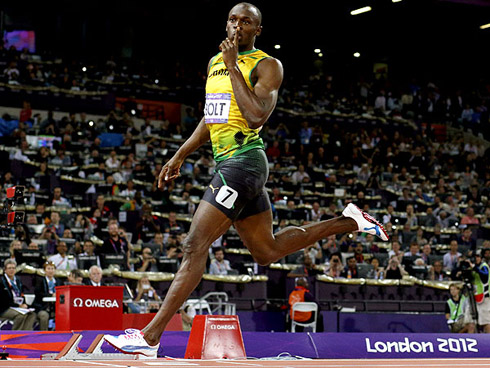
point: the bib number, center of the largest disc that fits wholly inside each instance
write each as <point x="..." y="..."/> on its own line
<point x="226" y="196"/>
<point x="217" y="108"/>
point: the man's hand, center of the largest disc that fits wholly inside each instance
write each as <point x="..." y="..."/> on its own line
<point x="169" y="172"/>
<point x="229" y="49"/>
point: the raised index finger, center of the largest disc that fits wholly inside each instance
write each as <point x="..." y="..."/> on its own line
<point x="235" y="39"/>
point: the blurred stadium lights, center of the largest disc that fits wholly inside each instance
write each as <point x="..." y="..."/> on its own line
<point x="485" y="26"/>
<point x="277" y="47"/>
<point x="396" y="1"/>
<point x="361" y="10"/>
<point x="357" y="54"/>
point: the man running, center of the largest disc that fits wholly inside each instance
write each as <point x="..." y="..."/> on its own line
<point x="241" y="93"/>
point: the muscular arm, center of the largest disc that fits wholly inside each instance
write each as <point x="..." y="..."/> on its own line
<point x="171" y="170"/>
<point x="257" y="105"/>
<point x="196" y="140"/>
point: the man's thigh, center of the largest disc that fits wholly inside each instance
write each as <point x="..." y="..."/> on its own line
<point x="10" y="314"/>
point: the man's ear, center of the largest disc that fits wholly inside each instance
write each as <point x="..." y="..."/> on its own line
<point x="258" y="31"/>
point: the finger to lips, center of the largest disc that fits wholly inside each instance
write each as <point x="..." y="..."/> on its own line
<point x="235" y="39"/>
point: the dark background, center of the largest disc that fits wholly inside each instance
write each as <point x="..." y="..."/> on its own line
<point x="439" y="39"/>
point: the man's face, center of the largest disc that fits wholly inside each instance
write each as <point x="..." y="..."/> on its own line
<point x="62" y="248"/>
<point x="159" y="238"/>
<point x="352" y="263"/>
<point x="113" y="230"/>
<point x="414" y="249"/>
<point x="95" y="275"/>
<point x="88" y="247"/>
<point x="219" y="255"/>
<point x="55" y="217"/>
<point x="247" y="19"/>
<point x="57" y="193"/>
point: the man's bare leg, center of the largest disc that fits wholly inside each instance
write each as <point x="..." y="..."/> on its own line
<point x="266" y="247"/>
<point x="207" y="225"/>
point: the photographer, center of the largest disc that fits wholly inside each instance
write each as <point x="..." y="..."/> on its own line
<point x="116" y="243"/>
<point x="476" y="274"/>
<point x="455" y="309"/>
<point x="146" y="261"/>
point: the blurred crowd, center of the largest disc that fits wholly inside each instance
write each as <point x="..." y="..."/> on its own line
<point x="413" y="156"/>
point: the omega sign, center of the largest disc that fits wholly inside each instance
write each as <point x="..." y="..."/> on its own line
<point x="95" y="303"/>
<point x="222" y="327"/>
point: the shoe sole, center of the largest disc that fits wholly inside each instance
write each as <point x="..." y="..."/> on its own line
<point x="127" y="352"/>
<point x="372" y="220"/>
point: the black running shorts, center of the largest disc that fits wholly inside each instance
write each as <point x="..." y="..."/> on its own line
<point x="238" y="185"/>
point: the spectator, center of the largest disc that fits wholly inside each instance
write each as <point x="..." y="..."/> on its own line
<point x="95" y="276"/>
<point x="419" y="237"/>
<point x="394" y="269"/>
<point x="147" y="226"/>
<point x="116" y="243"/>
<point x="436" y="273"/>
<point x="307" y="269"/>
<point x="219" y="265"/>
<point x="156" y="245"/>
<point x="358" y="253"/>
<point x="113" y="163"/>
<point x="55" y="224"/>
<point x="335" y="266"/>
<point x="376" y="272"/>
<point x="146" y="261"/>
<point x="450" y="259"/>
<point x="350" y="270"/>
<point x="466" y="241"/>
<point x="61" y="260"/>
<point x="430" y="220"/>
<point x="146" y="293"/>
<point x="11" y="297"/>
<point x="75" y="277"/>
<point x="395" y="251"/>
<point x="45" y="287"/>
<point x="89" y="250"/>
<point x="300" y="175"/>
<point x="414" y="250"/>
<point x="172" y="225"/>
<point x="469" y="218"/>
<point x="426" y="253"/>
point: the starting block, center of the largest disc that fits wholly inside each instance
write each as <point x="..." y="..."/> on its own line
<point x="71" y="351"/>
<point x="215" y="337"/>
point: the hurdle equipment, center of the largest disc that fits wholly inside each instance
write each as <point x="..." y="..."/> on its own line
<point x="215" y="337"/>
<point x="71" y="351"/>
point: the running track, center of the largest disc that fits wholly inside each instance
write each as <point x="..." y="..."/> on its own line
<point x="182" y="363"/>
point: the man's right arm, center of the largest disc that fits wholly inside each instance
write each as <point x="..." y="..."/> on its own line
<point x="171" y="170"/>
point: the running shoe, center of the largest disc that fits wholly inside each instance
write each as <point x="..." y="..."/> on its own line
<point x="132" y="342"/>
<point x="365" y="222"/>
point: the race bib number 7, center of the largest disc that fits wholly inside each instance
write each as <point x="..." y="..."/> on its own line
<point x="217" y="108"/>
<point x="226" y="196"/>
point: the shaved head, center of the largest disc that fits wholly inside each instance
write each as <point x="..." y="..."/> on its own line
<point x="252" y="8"/>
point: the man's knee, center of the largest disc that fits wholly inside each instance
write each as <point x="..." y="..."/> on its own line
<point x="265" y="256"/>
<point x="43" y="315"/>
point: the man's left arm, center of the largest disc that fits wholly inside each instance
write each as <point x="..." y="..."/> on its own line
<point x="256" y="105"/>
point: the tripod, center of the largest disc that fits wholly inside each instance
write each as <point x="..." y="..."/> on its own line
<point x="468" y="288"/>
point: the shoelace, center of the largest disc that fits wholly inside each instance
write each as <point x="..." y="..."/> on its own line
<point x="132" y="333"/>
